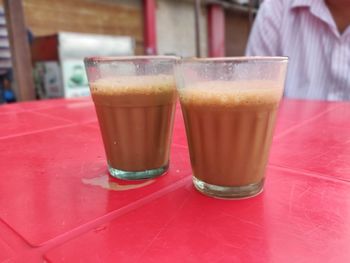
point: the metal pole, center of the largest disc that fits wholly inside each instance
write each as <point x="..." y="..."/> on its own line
<point x="197" y="10"/>
<point x="250" y="12"/>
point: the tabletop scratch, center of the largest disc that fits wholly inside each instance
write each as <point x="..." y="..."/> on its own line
<point x="164" y="227"/>
<point x="290" y="200"/>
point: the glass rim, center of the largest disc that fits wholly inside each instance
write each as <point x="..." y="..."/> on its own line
<point x="129" y="58"/>
<point x="238" y="59"/>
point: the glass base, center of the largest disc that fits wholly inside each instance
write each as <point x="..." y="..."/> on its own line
<point x="228" y="192"/>
<point x="137" y="175"/>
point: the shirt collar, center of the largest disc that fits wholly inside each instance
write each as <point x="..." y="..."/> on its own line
<point x="301" y="3"/>
<point x="319" y="9"/>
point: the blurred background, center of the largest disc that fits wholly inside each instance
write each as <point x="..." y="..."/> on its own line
<point x="43" y="43"/>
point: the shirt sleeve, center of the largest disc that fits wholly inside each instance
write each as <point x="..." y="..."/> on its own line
<point x="264" y="39"/>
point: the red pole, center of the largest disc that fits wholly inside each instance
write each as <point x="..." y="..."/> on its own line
<point x="216" y="30"/>
<point x="150" y="34"/>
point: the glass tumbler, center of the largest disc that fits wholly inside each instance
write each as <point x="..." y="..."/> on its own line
<point x="135" y="101"/>
<point x="229" y="106"/>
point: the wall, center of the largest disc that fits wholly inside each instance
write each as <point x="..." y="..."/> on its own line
<point x="176" y="28"/>
<point x="175" y="21"/>
<point x="112" y="17"/>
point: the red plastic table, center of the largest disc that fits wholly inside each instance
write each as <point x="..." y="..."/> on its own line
<point x="58" y="204"/>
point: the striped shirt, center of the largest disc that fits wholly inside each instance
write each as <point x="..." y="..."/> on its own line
<point x="305" y="31"/>
<point x="5" y="53"/>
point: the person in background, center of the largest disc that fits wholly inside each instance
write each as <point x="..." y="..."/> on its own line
<point x="6" y="93"/>
<point x="315" y="35"/>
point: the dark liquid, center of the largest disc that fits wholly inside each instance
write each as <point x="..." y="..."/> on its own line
<point x="229" y="136"/>
<point x="136" y="123"/>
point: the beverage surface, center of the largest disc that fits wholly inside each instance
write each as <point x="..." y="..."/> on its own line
<point x="134" y="90"/>
<point x="232" y="93"/>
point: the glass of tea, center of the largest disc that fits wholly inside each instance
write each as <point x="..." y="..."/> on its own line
<point x="229" y="106"/>
<point x="135" y="101"/>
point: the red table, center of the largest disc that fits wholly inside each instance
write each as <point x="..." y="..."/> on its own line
<point x="58" y="204"/>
